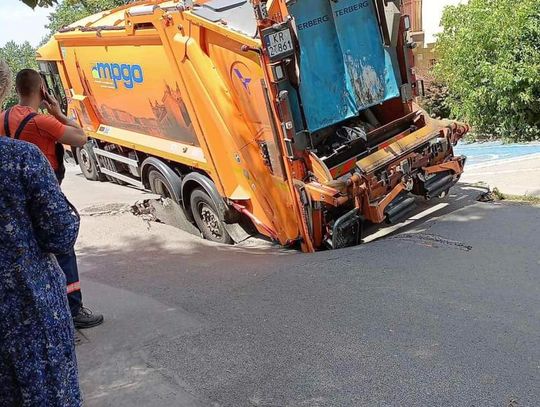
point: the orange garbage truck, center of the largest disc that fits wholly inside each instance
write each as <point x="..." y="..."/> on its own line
<point x="297" y="117"/>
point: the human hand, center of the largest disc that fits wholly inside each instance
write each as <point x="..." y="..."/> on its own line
<point x="52" y="106"/>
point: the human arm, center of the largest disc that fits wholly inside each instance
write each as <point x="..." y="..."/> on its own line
<point x="55" y="223"/>
<point x="73" y="134"/>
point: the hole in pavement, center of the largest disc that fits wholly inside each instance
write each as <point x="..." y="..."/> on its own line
<point x="169" y="212"/>
<point x="164" y="211"/>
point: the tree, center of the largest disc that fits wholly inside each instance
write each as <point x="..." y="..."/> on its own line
<point x="50" y="3"/>
<point x="39" y="3"/>
<point x="490" y="59"/>
<point x="68" y="12"/>
<point x="17" y="56"/>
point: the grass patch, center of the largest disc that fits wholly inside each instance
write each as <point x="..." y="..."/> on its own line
<point x="499" y="196"/>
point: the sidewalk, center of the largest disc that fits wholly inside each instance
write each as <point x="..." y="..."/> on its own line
<point x="519" y="176"/>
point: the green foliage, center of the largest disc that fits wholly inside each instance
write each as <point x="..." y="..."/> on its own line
<point x="39" y="3"/>
<point x="85" y="3"/>
<point x="436" y="100"/>
<point x="17" y="56"/>
<point x="67" y="12"/>
<point x="490" y="61"/>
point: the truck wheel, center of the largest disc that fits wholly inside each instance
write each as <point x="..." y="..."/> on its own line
<point x="159" y="184"/>
<point x="207" y="219"/>
<point x="88" y="163"/>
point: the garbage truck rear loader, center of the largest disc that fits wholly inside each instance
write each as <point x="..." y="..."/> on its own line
<point x="298" y="116"/>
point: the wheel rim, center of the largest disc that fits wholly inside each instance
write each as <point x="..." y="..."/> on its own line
<point x="210" y="220"/>
<point x="86" y="160"/>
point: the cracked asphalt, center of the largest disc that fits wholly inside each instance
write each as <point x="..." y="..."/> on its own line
<point x="442" y="312"/>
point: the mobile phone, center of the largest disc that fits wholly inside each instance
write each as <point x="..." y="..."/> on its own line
<point x="44" y="95"/>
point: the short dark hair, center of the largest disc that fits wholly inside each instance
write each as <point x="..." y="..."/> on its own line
<point x="27" y="82"/>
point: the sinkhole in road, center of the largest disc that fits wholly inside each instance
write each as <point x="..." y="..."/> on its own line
<point x="168" y="212"/>
<point x="158" y="210"/>
<point x="164" y="210"/>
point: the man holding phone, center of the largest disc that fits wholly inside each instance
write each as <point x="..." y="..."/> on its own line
<point x="48" y="133"/>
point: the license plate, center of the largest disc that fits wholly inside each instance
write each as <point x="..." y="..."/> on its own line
<point x="279" y="43"/>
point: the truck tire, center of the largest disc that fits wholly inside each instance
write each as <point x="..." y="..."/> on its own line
<point x="159" y="185"/>
<point x="207" y="217"/>
<point x="88" y="164"/>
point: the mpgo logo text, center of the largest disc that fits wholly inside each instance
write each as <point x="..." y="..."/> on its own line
<point x="109" y="75"/>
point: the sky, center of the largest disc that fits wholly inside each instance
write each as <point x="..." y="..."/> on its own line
<point x="432" y="12"/>
<point x="20" y="23"/>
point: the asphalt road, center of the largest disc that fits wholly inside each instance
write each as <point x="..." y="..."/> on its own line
<point x="444" y="312"/>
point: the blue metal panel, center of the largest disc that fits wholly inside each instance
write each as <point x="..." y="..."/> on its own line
<point x="369" y="65"/>
<point x="323" y="88"/>
<point x="344" y="67"/>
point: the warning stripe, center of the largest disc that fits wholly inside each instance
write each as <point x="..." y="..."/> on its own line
<point x="73" y="287"/>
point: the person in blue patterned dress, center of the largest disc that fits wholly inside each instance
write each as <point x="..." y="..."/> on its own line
<point x="38" y="367"/>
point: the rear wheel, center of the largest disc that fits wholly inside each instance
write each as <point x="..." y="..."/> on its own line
<point x="88" y="163"/>
<point x="159" y="184"/>
<point x="207" y="217"/>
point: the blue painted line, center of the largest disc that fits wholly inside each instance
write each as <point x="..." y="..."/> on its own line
<point x="479" y="153"/>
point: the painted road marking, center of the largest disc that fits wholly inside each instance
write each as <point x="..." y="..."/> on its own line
<point x="391" y="229"/>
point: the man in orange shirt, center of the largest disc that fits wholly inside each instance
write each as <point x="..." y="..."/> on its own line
<point x="49" y="132"/>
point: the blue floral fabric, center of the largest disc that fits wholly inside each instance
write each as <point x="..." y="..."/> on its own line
<point x="38" y="366"/>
